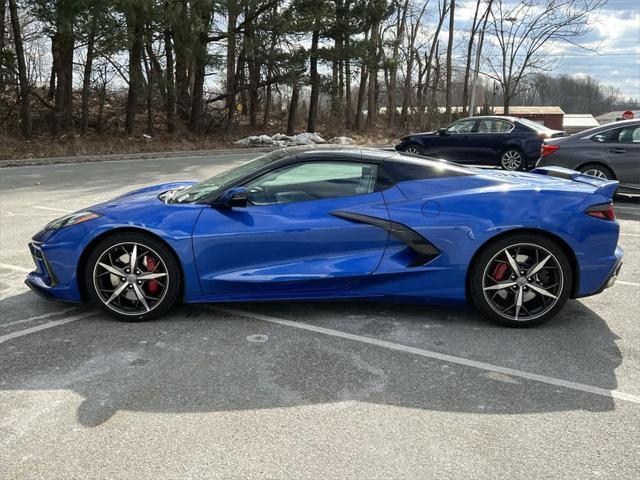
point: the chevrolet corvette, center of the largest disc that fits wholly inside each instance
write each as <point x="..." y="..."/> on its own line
<point x="310" y="223"/>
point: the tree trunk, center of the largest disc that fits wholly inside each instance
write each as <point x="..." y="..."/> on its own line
<point x="3" y="16"/>
<point x="230" y="101"/>
<point x="448" y="92"/>
<point x="315" y="81"/>
<point x="171" y="89"/>
<point x="65" y="45"/>
<point x="393" y="69"/>
<point x="150" y="83"/>
<point x="182" y="42"/>
<point x="428" y="68"/>
<point x="293" y="109"/>
<point x="203" y="11"/>
<point x="506" y="98"/>
<point x="102" y="100"/>
<point x="267" y="105"/>
<point x="347" y="88"/>
<point x="373" y="77"/>
<point x="25" y="88"/>
<point x="135" y="31"/>
<point x="86" y="79"/>
<point x="54" y="67"/>
<point x="472" y="35"/>
<point x="362" y="88"/>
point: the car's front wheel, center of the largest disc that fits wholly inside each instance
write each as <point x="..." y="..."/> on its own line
<point x="133" y="276"/>
<point x="413" y="150"/>
<point x="521" y="280"/>
<point x="512" y="159"/>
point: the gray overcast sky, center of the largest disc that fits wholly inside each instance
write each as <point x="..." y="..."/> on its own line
<point x="615" y="37"/>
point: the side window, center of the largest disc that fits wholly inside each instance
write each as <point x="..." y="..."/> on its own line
<point x="627" y="135"/>
<point x="465" y="126"/>
<point x="494" y="126"/>
<point x="313" y="181"/>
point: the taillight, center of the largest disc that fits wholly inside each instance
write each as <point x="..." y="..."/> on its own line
<point x="603" y="212"/>
<point x="548" y="149"/>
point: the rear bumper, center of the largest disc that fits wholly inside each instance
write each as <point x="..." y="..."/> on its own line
<point x="608" y="274"/>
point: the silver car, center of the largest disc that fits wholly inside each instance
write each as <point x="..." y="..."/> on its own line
<point x="611" y="151"/>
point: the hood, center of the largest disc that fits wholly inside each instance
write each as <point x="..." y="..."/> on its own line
<point x="145" y="194"/>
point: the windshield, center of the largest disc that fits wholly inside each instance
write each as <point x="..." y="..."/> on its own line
<point x="538" y="127"/>
<point x="220" y="181"/>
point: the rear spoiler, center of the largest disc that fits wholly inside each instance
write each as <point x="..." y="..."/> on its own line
<point x="606" y="188"/>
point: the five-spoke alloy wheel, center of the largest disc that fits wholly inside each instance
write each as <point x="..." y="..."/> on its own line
<point x="521" y="280"/>
<point x="133" y="276"/>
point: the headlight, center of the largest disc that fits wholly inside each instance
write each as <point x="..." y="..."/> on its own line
<point x="71" y="219"/>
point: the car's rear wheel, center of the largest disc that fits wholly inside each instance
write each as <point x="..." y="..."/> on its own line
<point x="521" y="280"/>
<point x="512" y="159"/>
<point x="133" y="276"/>
<point x="598" y="171"/>
<point x="413" y="150"/>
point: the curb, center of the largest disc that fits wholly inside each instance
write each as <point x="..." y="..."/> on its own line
<point x="34" y="162"/>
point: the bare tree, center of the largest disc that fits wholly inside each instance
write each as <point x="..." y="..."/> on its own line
<point x="525" y="35"/>
<point x="452" y="16"/>
<point x="25" y="87"/>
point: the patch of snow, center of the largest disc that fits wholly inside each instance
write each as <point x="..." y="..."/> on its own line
<point x="281" y="140"/>
<point x="342" y="141"/>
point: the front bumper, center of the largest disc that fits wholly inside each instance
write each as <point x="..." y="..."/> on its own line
<point x="51" y="278"/>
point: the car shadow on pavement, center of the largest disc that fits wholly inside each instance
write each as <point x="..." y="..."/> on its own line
<point x="199" y="360"/>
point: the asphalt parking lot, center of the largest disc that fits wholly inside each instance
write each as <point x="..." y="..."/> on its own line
<point x="302" y="390"/>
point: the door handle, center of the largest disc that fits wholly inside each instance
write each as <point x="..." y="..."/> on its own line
<point x="618" y="150"/>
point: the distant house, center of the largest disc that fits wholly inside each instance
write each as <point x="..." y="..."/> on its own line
<point x="577" y="122"/>
<point x="551" y="117"/>
<point x="615" y="116"/>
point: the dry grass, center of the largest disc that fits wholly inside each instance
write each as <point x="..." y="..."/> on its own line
<point x="44" y="146"/>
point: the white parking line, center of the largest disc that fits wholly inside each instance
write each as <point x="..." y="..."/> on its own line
<point x="62" y="210"/>
<point x="558" y="382"/>
<point x="633" y="284"/>
<point x="39" y="317"/>
<point x="629" y="235"/>
<point x="44" y="326"/>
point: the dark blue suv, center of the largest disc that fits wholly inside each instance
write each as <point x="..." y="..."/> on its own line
<point x="509" y="142"/>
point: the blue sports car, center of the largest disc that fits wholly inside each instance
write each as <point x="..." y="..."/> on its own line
<point x="337" y="223"/>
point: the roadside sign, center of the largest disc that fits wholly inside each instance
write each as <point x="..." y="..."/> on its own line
<point x="628" y="115"/>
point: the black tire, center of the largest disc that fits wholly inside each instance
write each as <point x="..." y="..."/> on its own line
<point x="153" y="247"/>
<point x="483" y="292"/>
<point x="592" y="168"/>
<point x="413" y="149"/>
<point x="505" y="159"/>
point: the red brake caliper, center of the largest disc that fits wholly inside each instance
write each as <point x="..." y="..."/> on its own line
<point x="500" y="271"/>
<point x="152" y="285"/>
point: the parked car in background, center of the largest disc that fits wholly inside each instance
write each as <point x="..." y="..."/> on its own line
<point x="509" y="142"/>
<point x="610" y="152"/>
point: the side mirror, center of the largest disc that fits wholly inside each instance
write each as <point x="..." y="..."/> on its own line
<point x="234" y="197"/>
<point x="600" y="138"/>
<point x="443" y="132"/>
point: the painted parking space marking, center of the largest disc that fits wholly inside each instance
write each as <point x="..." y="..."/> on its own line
<point x="44" y="326"/>
<point x="632" y="284"/>
<point x="630" y="235"/>
<point x="488" y="367"/>
<point x="52" y="209"/>
<point x="39" y="317"/>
